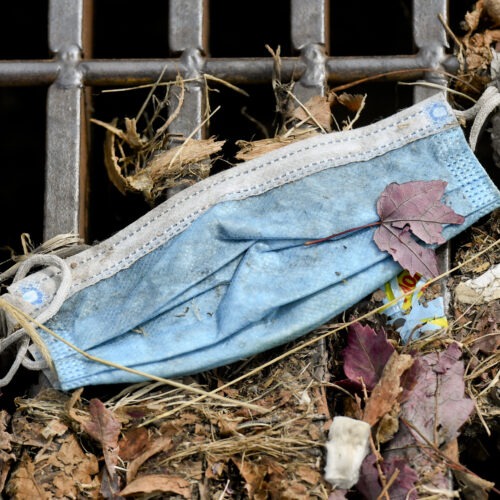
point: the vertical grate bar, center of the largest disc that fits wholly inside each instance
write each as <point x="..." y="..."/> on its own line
<point x="309" y="35"/>
<point x="430" y="39"/>
<point x="64" y="210"/>
<point x="188" y="37"/>
<point x="309" y="28"/>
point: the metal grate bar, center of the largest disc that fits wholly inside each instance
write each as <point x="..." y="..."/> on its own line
<point x="238" y="71"/>
<point x="63" y="191"/>
<point x="430" y="38"/>
<point x="188" y="38"/>
<point x="309" y="33"/>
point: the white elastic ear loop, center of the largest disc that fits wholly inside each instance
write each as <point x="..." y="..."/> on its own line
<point x="56" y="303"/>
<point x="484" y="106"/>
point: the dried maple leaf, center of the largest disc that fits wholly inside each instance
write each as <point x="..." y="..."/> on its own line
<point x="366" y="354"/>
<point x="434" y="412"/>
<point x="388" y="389"/>
<point x="413" y="208"/>
<point x="105" y="428"/>
<point x="406" y="210"/>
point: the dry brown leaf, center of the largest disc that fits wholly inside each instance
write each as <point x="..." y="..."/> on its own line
<point x="295" y="491"/>
<point x="74" y="470"/>
<point x="388" y="425"/>
<point x="65" y="473"/>
<point x="6" y="457"/>
<point x="105" y="429"/>
<point x="214" y="469"/>
<point x="163" y="443"/>
<point x="70" y="407"/>
<point x="353" y="102"/>
<point x="388" y="388"/>
<point x="27" y="432"/>
<point x="158" y="483"/>
<point x="316" y="112"/>
<point x="22" y="483"/>
<point x="308" y="474"/>
<point x="112" y="161"/>
<point x="493" y="9"/>
<point x="228" y="426"/>
<point x="54" y="428"/>
<point x="132" y="136"/>
<point x="254" y="476"/>
<point x="164" y="169"/>
<point x="472" y="18"/>
<point x="134" y="442"/>
<point x="473" y="487"/>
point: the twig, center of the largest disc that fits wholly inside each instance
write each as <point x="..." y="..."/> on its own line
<point x="175" y="114"/>
<point x="190" y="136"/>
<point x="150" y="95"/>
<point x="357" y="115"/>
<point x="185" y="80"/>
<point x="385" y="490"/>
<point x="306" y="110"/>
<point x="440" y="87"/>
<point x="451" y="463"/>
<point x="383" y="480"/>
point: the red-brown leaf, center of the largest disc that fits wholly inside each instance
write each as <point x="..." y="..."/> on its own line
<point x="105" y="428"/>
<point x="413" y="208"/>
<point x="407" y="251"/>
<point x="366" y="354"/>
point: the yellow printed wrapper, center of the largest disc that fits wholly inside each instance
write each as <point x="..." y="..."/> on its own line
<point x="417" y="316"/>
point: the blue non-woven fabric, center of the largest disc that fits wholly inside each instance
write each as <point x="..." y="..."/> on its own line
<point x="239" y="279"/>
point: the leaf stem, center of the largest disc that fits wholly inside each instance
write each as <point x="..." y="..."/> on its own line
<point x="321" y="240"/>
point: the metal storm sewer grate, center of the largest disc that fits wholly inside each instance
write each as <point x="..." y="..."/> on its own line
<point x="53" y="76"/>
<point x="87" y="47"/>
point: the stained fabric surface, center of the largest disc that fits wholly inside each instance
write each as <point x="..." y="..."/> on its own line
<point x="238" y="279"/>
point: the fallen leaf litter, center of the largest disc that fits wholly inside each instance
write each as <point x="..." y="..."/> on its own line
<point x="58" y="445"/>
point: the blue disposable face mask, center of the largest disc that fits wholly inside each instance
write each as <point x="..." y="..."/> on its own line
<point x="220" y="271"/>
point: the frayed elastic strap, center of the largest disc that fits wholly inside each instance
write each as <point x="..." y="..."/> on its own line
<point x="480" y="112"/>
<point x="21" y="335"/>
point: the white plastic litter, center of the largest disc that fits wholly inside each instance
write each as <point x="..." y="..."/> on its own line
<point x="346" y="448"/>
<point x="482" y="289"/>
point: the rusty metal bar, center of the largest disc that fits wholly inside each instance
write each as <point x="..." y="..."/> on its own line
<point x="127" y="72"/>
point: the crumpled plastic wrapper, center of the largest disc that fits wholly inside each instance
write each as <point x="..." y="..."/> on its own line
<point x="413" y="316"/>
<point x="480" y="290"/>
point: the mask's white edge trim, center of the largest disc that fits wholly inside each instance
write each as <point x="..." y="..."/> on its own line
<point x="287" y="164"/>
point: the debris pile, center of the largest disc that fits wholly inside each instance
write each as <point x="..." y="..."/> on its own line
<point x="363" y="406"/>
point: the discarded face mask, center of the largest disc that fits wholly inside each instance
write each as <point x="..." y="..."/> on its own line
<point x="220" y="272"/>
